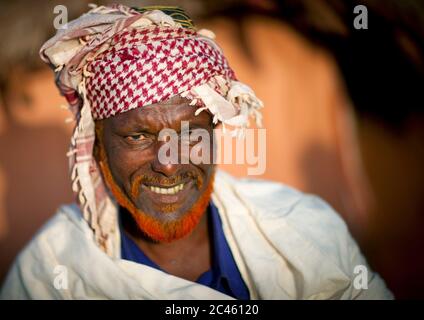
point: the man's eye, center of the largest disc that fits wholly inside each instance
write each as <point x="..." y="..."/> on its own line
<point x="135" y="138"/>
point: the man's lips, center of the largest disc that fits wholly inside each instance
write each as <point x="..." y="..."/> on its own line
<point x="168" y="189"/>
<point x="168" y="194"/>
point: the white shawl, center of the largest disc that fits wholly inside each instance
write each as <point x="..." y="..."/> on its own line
<point x="287" y="245"/>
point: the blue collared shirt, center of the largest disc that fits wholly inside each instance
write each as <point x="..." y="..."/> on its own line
<point x="223" y="276"/>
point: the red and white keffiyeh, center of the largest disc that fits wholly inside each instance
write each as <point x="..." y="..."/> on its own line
<point x="114" y="59"/>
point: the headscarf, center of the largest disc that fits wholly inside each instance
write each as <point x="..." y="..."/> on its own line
<point x="113" y="59"/>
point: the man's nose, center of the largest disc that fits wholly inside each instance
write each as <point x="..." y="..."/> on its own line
<point x="167" y="164"/>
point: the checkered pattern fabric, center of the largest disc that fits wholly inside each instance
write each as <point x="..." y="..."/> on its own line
<point x="147" y="66"/>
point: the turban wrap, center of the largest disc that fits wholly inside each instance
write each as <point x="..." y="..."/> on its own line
<point x="113" y="59"/>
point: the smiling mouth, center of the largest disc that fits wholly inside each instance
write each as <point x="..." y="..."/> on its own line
<point x="163" y="194"/>
<point x="167" y="190"/>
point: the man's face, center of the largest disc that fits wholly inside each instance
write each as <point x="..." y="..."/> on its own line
<point x="165" y="199"/>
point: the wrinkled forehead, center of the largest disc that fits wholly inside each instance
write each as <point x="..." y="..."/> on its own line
<point x="170" y="113"/>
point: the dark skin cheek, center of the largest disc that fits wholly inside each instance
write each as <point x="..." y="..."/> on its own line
<point x="125" y="164"/>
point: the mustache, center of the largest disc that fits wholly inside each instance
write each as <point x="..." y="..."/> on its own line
<point x="165" y="181"/>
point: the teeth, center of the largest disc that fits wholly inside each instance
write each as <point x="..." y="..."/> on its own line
<point x="172" y="190"/>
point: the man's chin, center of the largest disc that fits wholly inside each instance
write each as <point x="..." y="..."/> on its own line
<point x="162" y="212"/>
<point x="174" y="228"/>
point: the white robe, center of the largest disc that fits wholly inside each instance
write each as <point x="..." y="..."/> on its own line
<point x="286" y="244"/>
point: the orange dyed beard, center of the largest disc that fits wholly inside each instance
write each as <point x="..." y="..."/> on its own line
<point x="154" y="229"/>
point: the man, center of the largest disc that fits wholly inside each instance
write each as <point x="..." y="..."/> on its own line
<point x="150" y="227"/>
